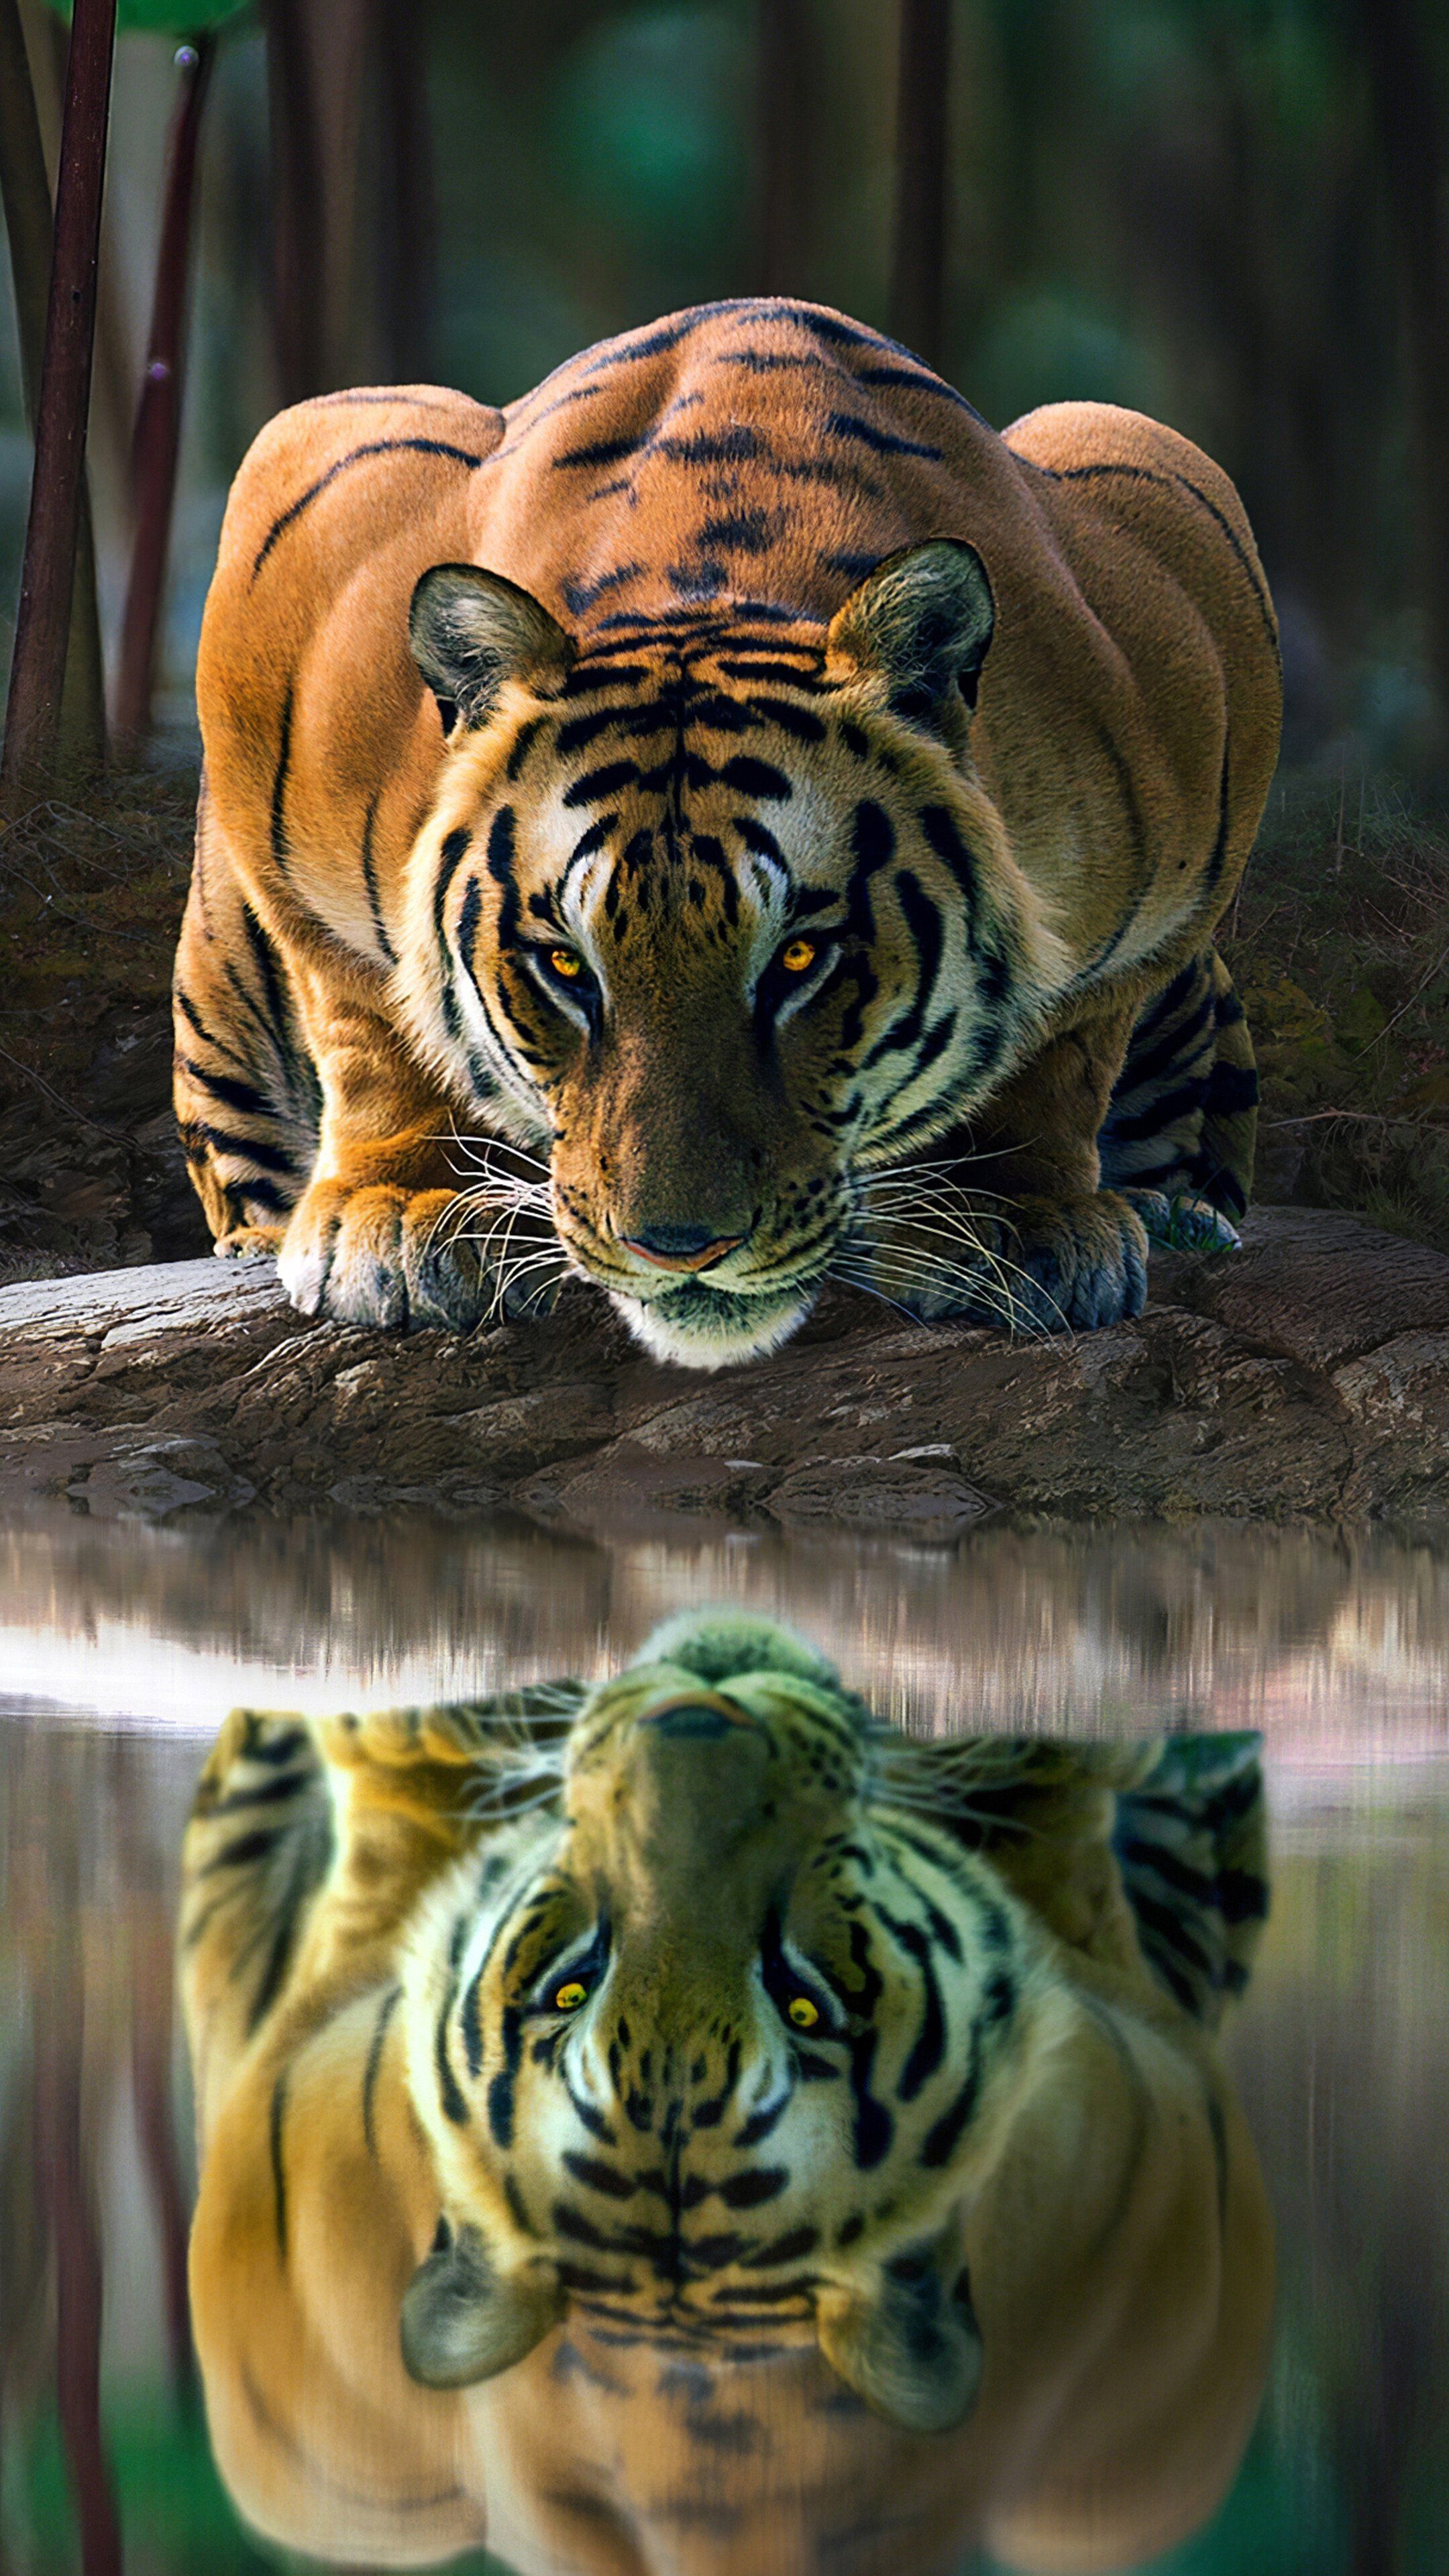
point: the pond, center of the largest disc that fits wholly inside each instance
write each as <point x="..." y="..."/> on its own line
<point x="121" y="1650"/>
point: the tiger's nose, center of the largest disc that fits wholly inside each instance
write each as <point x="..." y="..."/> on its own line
<point x="682" y="1247"/>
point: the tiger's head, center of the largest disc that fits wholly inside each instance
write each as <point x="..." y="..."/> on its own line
<point x="717" y="914"/>
<point x="718" y="2042"/>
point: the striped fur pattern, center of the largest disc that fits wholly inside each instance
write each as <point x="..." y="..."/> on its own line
<point x="1179" y="1132"/>
<point x="675" y="2066"/>
<point x="1191" y="1844"/>
<point x="717" y="826"/>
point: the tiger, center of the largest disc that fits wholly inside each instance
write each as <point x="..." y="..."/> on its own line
<point x="726" y="822"/>
<point x="682" y="2126"/>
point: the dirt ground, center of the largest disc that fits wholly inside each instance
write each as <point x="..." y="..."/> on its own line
<point x="1339" y="939"/>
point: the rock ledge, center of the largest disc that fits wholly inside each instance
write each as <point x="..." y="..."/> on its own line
<point x="1305" y="1379"/>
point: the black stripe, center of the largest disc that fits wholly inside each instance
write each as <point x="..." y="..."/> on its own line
<point x="1151" y="1062"/>
<point x="254" y="1192"/>
<point x="248" y="1149"/>
<point x="799" y="721"/>
<point x="269" y="1793"/>
<point x="1171" y="998"/>
<point x="927" y="930"/>
<point x="1183" y="1101"/>
<point x="279" y="1955"/>
<point x="279" y="784"/>
<point x="279" y="2177"/>
<point x="237" y="1095"/>
<point x="192" y="1016"/>
<point x="939" y="826"/>
<point x="1242" y="1897"/>
<point x="884" y="442"/>
<point x="1170" y="1868"/>
<point x="237" y="1855"/>
<point x="500" y="2091"/>
<point x="920" y="382"/>
<point x="373" y="2067"/>
<point x="268" y="965"/>
<point x="374" y="447"/>
<point x="941" y="2138"/>
<point x="454" y="2106"/>
<point x="452" y="855"/>
<point x="1232" y="1090"/>
<point x="369" y="876"/>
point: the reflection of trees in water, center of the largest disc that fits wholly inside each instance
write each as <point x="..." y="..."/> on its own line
<point x="1343" y="2065"/>
<point x="1041" y="1628"/>
<point x="86" y="1898"/>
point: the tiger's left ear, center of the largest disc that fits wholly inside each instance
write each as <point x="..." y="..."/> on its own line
<point x="471" y="630"/>
<point x="925" y="619"/>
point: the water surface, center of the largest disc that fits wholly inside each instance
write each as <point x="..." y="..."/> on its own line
<point x="121" y="1648"/>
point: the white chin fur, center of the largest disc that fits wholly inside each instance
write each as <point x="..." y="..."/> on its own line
<point x="704" y="1350"/>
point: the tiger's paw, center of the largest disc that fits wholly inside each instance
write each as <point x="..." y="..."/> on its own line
<point x="1184" y="1223"/>
<point x="1044" y="1266"/>
<point x="407" y="1258"/>
<point x="248" y="1243"/>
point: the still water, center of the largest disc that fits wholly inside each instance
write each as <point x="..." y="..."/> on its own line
<point x="122" y="1649"/>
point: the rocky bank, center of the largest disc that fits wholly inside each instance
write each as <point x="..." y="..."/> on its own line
<point x="1305" y="1379"/>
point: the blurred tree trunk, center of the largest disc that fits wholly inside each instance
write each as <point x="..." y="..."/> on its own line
<point x="113" y="369"/>
<point x="298" y="213"/>
<point x="1409" y="113"/>
<point x="918" y="250"/>
<point x="407" y="251"/>
<point x="158" y="413"/>
<point x="784" y="128"/>
<point x="64" y="2166"/>
<point x="25" y="191"/>
<point x="352" y="192"/>
<point x="42" y="626"/>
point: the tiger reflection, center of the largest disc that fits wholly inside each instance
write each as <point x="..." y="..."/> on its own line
<point x="685" y="2128"/>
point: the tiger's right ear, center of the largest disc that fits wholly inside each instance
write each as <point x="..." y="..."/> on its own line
<point x="471" y="630"/>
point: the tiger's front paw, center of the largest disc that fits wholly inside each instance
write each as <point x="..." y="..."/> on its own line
<point x="1184" y="1223"/>
<point x="1036" y="1266"/>
<point x="405" y="1258"/>
<point x="248" y="1242"/>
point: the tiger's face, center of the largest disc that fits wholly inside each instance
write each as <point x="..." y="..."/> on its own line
<point x="722" y="920"/>
<point x="716" y="2050"/>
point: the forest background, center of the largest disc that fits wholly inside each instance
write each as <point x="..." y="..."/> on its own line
<point x="1233" y="214"/>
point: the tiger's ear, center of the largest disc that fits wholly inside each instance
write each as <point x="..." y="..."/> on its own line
<point x="462" y="2320"/>
<point x="471" y="630"/>
<point x="925" y="618"/>
<point x="908" y="2343"/>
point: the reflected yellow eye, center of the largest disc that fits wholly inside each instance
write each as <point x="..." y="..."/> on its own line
<point x="569" y="1997"/>
<point x="565" y="963"/>
<point x="802" y="2012"/>
<point x="797" y="955"/>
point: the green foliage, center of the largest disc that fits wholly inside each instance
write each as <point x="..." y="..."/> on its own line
<point x="176" y="2516"/>
<point x="1338" y="945"/>
<point x="165" y="17"/>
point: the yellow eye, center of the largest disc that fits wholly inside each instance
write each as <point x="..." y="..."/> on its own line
<point x="797" y="955"/>
<point x="565" y="963"/>
<point x="569" y="1997"/>
<point x="802" y="2012"/>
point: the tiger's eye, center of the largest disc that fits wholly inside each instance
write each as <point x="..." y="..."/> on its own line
<point x="797" y="954"/>
<point x="803" y="2013"/>
<point x="565" y="963"/>
<point x="569" y="1997"/>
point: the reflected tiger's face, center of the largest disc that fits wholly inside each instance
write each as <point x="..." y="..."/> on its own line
<point x="715" y="2050"/>
<point x="722" y="923"/>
